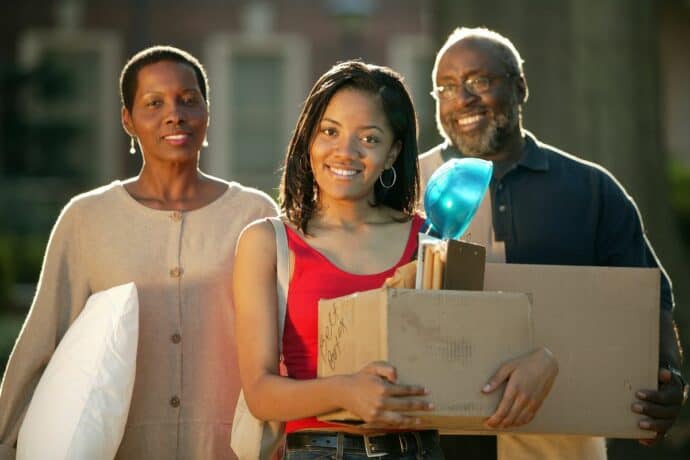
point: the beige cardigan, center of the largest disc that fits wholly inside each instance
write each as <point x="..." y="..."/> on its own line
<point x="186" y="380"/>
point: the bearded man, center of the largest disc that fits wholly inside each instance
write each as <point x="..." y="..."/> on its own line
<point x="545" y="206"/>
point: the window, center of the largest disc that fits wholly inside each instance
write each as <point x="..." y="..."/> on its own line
<point x="63" y="133"/>
<point x="258" y="84"/>
<point x="70" y="105"/>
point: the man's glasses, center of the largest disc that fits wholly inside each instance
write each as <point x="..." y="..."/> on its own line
<point x="473" y="85"/>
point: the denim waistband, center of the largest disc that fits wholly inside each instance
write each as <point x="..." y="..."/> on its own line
<point x="374" y="445"/>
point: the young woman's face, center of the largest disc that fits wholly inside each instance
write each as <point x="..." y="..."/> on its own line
<point x="352" y="145"/>
<point x="169" y="115"/>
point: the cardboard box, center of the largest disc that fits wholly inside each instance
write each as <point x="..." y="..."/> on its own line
<point x="449" y="341"/>
<point x="601" y="323"/>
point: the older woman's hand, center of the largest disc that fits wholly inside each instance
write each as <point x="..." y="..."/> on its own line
<point x="529" y="379"/>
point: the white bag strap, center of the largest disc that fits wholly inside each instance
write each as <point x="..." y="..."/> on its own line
<point x="282" y="274"/>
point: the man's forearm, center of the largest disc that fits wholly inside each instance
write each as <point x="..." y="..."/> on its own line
<point x="670" y="350"/>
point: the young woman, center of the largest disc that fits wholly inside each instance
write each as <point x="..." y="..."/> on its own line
<point x="348" y="193"/>
<point x="172" y="230"/>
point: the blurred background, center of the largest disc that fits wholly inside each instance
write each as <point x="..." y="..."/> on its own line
<point x="609" y="81"/>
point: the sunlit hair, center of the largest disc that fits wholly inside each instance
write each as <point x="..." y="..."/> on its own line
<point x="297" y="189"/>
<point x="153" y="55"/>
<point x="504" y="49"/>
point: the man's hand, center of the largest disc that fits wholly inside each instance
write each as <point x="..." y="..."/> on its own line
<point x="661" y="406"/>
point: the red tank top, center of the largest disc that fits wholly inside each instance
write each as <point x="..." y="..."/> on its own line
<point x="314" y="277"/>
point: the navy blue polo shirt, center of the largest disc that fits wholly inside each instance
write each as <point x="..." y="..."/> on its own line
<point x="553" y="208"/>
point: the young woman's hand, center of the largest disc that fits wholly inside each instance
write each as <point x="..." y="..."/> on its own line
<point x="376" y="398"/>
<point x="529" y="379"/>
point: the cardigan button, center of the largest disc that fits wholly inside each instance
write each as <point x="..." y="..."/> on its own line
<point x="175" y="401"/>
<point x="176" y="338"/>
<point x="176" y="272"/>
<point x="176" y="216"/>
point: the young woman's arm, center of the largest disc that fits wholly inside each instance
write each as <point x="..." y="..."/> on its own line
<point x="371" y="393"/>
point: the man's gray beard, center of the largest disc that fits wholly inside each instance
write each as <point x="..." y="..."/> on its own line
<point x="488" y="141"/>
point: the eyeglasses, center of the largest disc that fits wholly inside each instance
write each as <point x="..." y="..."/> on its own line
<point x="473" y="85"/>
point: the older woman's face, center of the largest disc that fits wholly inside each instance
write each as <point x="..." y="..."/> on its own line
<point x="169" y="115"/>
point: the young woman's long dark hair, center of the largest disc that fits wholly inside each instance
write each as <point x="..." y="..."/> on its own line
<point x="297" y="188"/>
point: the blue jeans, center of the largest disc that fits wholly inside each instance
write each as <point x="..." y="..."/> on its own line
<point x="425" y="445"/>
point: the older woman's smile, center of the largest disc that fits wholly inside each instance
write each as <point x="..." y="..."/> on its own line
<point x="178" y="138"/>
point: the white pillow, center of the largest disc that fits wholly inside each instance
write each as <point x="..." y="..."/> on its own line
<point x="80" y="405"/>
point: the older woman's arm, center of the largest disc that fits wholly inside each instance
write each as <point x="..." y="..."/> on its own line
<point x="60" y="295"/>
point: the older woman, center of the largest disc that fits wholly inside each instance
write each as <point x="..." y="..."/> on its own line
<point x="172" y="230"/>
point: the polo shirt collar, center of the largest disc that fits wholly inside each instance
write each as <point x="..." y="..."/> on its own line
<point x="533" y="157"/>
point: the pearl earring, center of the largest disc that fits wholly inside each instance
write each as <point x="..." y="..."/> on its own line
<point x="132" y="149"/>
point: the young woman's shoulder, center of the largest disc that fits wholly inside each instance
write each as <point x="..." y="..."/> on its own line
<point x="256" y="248"/>
<point x="259" y="235"/>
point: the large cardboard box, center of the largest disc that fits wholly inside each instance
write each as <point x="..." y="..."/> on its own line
<point x="601" y="323"/>
<point x="449" y="341"/>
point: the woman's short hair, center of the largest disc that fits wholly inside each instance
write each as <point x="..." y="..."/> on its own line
<point x="152" y="55"/>
<point x="298" y="188"/>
